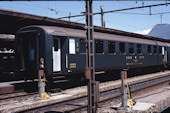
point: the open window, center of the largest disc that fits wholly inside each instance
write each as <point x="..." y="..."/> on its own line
<point x="131" y="48"/>
<point x="149" y="49"/>
<point x="111" y="47"/>
<point x="139" y="49"/>
<point x="160" y="50"/>
<point x="99" y="46"/>
<point x="122" y="47"/>
<point x="155" y="49"/>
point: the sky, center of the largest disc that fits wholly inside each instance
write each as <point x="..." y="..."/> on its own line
<point x="137" y="21"/>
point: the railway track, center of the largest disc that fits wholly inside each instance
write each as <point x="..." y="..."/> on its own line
<point x="13" y="92"/>
<point x="77" y="104"/>
<point x="15" y="95"/>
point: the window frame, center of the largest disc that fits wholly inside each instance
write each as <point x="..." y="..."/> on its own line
<point x="97" y="49"/>
<point x="72" y="50"/>
<point x="111" y="49"/>
<point x="149" y="49"/>
<point x="123" y="52"/>
<point x="155" y="49"/>
<point x="130" y="47"/>
<point x="56" y="44"/>
<point x="160" y="48"/>
<point x="137" y="49"/>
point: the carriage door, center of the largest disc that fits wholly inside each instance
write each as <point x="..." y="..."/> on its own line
<point x="31" y="49"/>
<point x="29" y="52"/>
<point x="164" y="52"/>
<point x="56" y="55"/>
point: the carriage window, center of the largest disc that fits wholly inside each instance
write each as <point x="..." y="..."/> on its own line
<point x="72" y="49"/>
<point x="99" y="46"/>
<point x="122" y="47"/>
<point x="154" y="49"/>
<point x="163" y="50"/>
<point x="55" y="44"/>
<point x="31" y="44"/>
<point x="131" y="48"/>
<point x="82" y="46"/>
<point x="31" y="49"/>
<point x="160" y="50"/>
<point x="149" y="49"/>
<point x="139" y="49"/>
<point x="111" y="47"/>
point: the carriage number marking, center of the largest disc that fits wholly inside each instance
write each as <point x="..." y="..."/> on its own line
<point x="72" y="65"/>
<point x="128" y="57"/>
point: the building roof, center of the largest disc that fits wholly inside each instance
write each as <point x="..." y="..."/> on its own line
<point x="6" y="37"/>
<point x="160" y="31"/>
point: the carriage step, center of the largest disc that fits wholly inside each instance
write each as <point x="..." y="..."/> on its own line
<point x="59" y="77"/>
<point x="57" y="73"/>
<point x="60" y="81"/>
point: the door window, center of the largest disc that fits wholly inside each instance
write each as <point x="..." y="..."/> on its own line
<point x="56" y="55"/>
<point x="72" y="49"/>
<point x="55" y="44"/>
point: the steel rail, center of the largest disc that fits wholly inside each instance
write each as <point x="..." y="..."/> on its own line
<point x="119" y="94"/>
<point x="18" y="91"/>
<point x="18" y="96"/>
<point x="52" y="105"/>
<point x="116" y="91"/>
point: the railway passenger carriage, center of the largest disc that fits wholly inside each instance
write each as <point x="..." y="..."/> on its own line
<point x="64" y="51"/>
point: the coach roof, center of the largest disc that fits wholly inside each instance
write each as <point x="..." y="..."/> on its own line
<point x="61" y="31"/>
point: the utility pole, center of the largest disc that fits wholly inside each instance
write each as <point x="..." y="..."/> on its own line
<point x="150" y="11"/>
<point x="69" y="16"/>
<point x="161" y="17"/>
<point x="102" y="14"/>
<point x="90" y="62"/>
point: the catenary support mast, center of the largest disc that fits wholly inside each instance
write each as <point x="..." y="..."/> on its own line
<point x="90" y="62"/>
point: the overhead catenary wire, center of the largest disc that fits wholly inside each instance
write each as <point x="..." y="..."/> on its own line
<point x="28" y="10"/>
<point x="143" y="13"/>
<point x="37" y="5"/>
<point x="40" y="5"/>
<point x="80" y="19"/>
<point x="52" y="9"/>
<point x="32" y="5"/>
<point x="139" y="10"/>
<point x="118" y="10"/>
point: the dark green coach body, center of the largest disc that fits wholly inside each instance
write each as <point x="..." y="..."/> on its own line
<point x="75" y="63"/>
